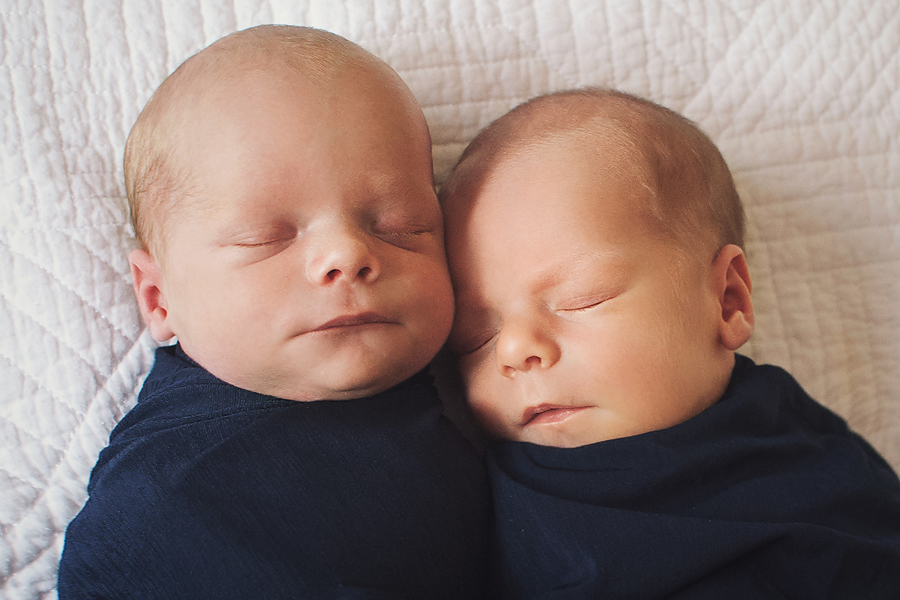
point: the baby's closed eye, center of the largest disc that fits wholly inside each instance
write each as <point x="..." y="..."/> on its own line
<point x="581" y="303"/>
<point x="402" y="228"/>
<point x="471" y="332"/>
<point x="406" y="228"/>
<point x="471" y="345"/>
<point x="585" y="296"/>
<point x="264" y="241"/>
<point x="255" y="244"/>
<point x="251" y="233"/>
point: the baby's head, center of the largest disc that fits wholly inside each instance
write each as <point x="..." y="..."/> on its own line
<point x="280" y="184"/>
<point x="594" y="242"/>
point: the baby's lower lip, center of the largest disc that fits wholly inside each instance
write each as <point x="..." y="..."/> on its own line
<point x="545" y="416"/>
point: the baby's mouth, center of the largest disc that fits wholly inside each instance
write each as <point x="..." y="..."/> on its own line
<point x="549" y="413"/>
<point x="354" y="320"/>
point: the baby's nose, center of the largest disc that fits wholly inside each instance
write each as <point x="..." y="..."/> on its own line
<point x="525" y="343"/>
<point x="342" y="254"/>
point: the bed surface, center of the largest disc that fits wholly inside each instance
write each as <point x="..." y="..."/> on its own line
<point x="803" y="99"/>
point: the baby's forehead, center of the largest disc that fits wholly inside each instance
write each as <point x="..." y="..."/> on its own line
<point x="315" y="60"/>
<point x="585" y="154"/>
<point x="580" y="180"/>
<point x="222" y="105"/>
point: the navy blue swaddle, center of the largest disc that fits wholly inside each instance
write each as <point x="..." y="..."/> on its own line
<point x="210" y="491"/>
<point x="766" y="494"/>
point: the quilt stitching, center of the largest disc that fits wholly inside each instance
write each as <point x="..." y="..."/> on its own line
<point x="824" y="74"/>
<point x="98" y="313"/>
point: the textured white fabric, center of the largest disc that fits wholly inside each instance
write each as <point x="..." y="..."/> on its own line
<point x="802" y="98"/>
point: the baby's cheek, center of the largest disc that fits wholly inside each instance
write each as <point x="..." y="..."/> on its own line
<point x="490" y="419"/>
<point x="476" y="381"/>
<point x="486" y="404"/>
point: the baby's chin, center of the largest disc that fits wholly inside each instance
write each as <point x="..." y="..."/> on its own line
<point x="348" y="383"/>
<point x="341" y="365"/>
<point x="305" y="390"/>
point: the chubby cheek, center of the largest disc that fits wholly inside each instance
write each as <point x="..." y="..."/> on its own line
<point x="492" y="419"/>
<point x="227" y="311"/>
<point x="429" y="296"/>
<point x="224" y="318"/>
<point x="439" y="307"/>
<point x="492" y="409"/>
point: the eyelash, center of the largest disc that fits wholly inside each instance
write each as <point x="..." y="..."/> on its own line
<point x="407" y="239"/>
<point x="404" y="233"/>
<point x="471" y="351"/>
<point x="403" y="227"/>
<point x="262" y="244"/>
<point x="585" y="303"/>
<point x="473" y="348"/>
<point x="582" y="308"/>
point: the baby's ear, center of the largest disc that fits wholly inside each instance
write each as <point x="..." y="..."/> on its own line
<point x="731" y="279"/>
<point x="148" y="287"/>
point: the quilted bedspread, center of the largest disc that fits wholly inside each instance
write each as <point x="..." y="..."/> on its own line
<point x="803" y="98"/>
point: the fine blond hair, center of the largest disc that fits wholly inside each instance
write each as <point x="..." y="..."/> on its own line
<point x="156" y="160"/>
<point x="690" y="189"/>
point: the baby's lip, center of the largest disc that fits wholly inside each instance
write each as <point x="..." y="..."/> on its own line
<point x="549" y="413"/>
<point x="353" y="320"/>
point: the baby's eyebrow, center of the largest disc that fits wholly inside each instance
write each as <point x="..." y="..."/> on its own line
<point x="233" y="231"/>
<point x="388" y="183"/>
<point x="582" y="266"/>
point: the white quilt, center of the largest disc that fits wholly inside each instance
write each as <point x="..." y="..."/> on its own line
<point x="803" y="98"/>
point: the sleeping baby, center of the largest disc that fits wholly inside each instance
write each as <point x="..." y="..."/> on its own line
<point x="595" y="247"/>
<point x="291" y="443"/>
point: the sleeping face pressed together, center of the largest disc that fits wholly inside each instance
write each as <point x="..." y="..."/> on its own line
<point x="304" y="258"/>
<point x="596" y="296"/>
<point x="581" y="315"/>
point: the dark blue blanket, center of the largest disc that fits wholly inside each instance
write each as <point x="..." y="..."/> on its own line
<point x="209" y="491"/>
<point x="764" y="495"/>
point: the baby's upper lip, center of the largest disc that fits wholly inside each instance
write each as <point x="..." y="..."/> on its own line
<point x="350" y="320"/>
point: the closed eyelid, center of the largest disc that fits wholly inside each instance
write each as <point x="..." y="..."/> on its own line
<point x="412" y="232"/>
<point x="251" y="233"/>
<point x="477" y="333"/>
<point x="406" y="222"/>
<point x="403" y="230"/>
<point x="472" y="345"/>
<point x="262" y="242"/>
<point x="405" y="203"/>
<point x="583" y="302"/>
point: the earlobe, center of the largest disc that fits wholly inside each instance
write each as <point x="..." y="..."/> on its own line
<point x="734" y="286"/>
<point x="148" y="288"/>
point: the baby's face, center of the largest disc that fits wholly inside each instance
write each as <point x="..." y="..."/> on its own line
<point x="312" y="265"/>
<point x="575" y="322"/>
